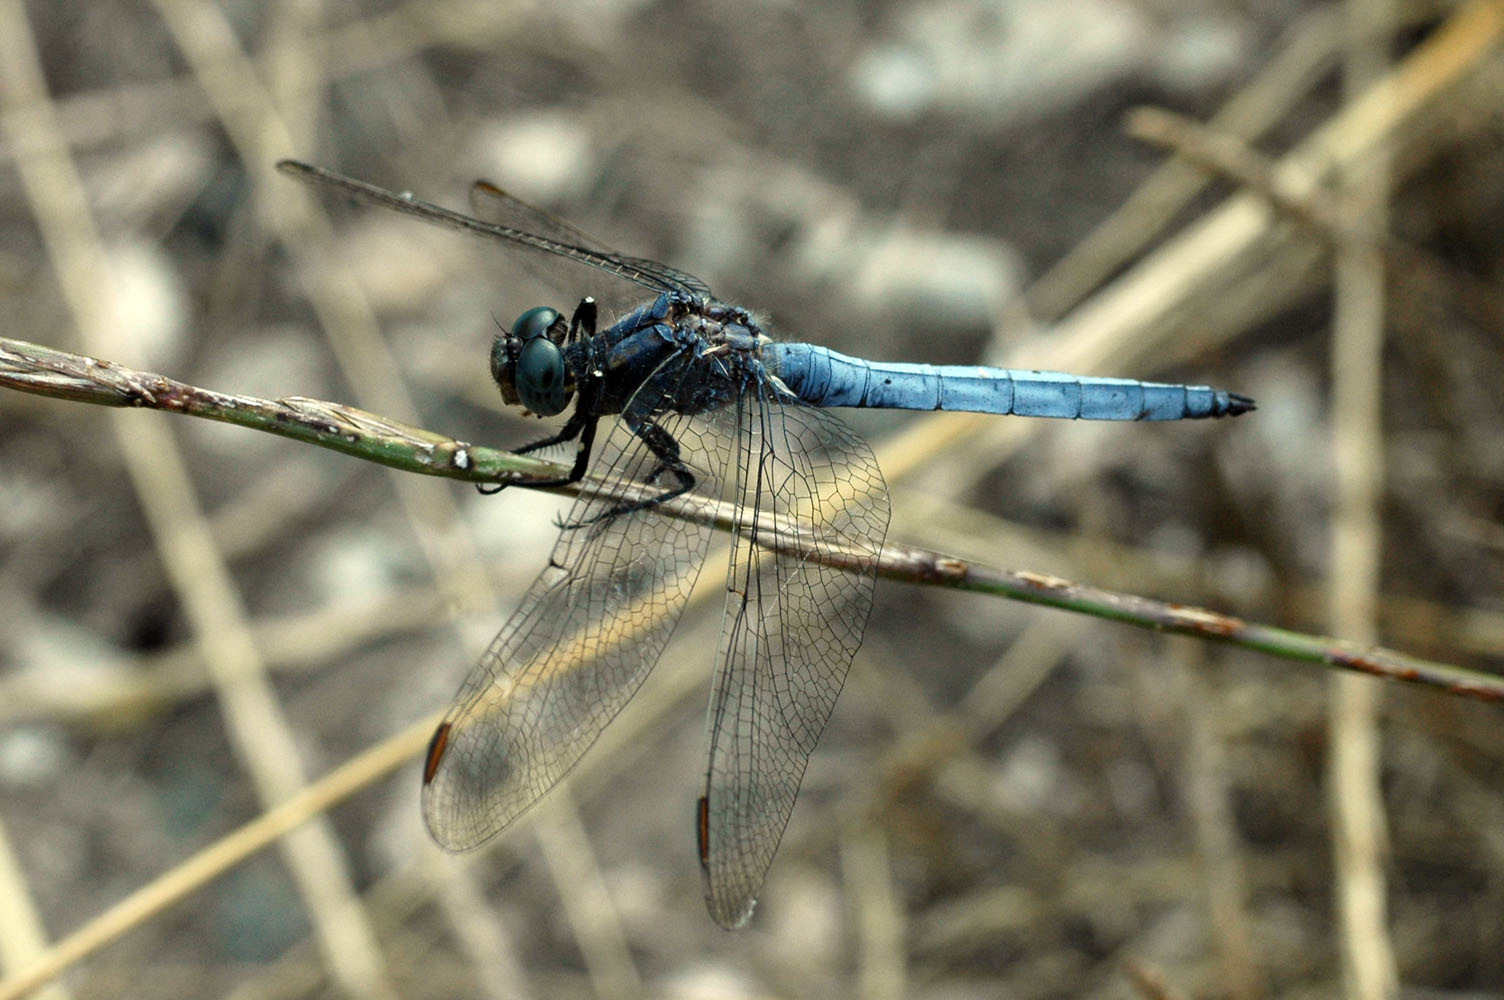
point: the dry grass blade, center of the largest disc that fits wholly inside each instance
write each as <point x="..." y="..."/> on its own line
<point x="276" y="823"/>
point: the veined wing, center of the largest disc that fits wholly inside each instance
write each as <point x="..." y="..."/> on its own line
<point x="649" y="274"/>
<point x="578" y="647"/>
<point x="804" y="481"/>
<point x="494" y="205"/>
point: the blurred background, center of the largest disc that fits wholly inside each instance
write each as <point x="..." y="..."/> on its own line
<point x="196" y="620"/>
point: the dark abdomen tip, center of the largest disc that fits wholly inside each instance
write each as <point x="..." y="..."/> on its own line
<point x="1237" y="404"/>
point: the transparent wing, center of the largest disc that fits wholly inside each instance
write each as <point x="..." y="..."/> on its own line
<point x="578" y="647"/>
<point x="492" y="204"/>
<point x="649" y="274"/>
<point x="804" y="481"/>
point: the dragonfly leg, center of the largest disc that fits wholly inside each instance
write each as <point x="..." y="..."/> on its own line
<point x="666" y="449"/>
<point x="581" y="425"/>
<point x="582" y="323"/>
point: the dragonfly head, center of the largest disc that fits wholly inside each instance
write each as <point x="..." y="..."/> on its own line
<point x="528" y="363"/>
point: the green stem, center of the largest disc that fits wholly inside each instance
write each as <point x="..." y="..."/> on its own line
<point x="49" y="372"/>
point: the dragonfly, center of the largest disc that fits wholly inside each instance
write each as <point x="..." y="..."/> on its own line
<point x="705" y="404"/>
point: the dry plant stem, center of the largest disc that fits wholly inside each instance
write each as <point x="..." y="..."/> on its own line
<point x="499" y="968"/>
<point x="262" y="131"/>
<point x="1305" y="54"/>
<point x="47" y="371"/>
<point x="23" y="939"/>
<point x="1227" y="156"/>
<point x="259" y="733"/>
<point x="211" y="862"/>
<point x="1355" y="800"/>
<point x="1213" y="246"/>
<point x="584" y="894"/>
<point x="918" y="565"/>
<point x="876" y="911"/>
<point x="1207" y="793"/>
<point x="1151" y="982"/>
<point x="32" y="369"/>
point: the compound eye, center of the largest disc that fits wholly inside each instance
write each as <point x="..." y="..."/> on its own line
<point x="534" y="324"/>
<point x="540" y="376"/>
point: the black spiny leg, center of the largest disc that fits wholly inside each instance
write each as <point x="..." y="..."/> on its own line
<point x="581" y="425"/>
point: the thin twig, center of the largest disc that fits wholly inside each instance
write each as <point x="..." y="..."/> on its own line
<point x="1355" y="794"/>
<point x="47" y="371"/>
<point x="51" y="372"/>
<point x="1226" y="155"/>
<point x="208" y="864"/>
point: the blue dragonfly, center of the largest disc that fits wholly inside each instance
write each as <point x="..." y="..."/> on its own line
<point x="706" y="403"/>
